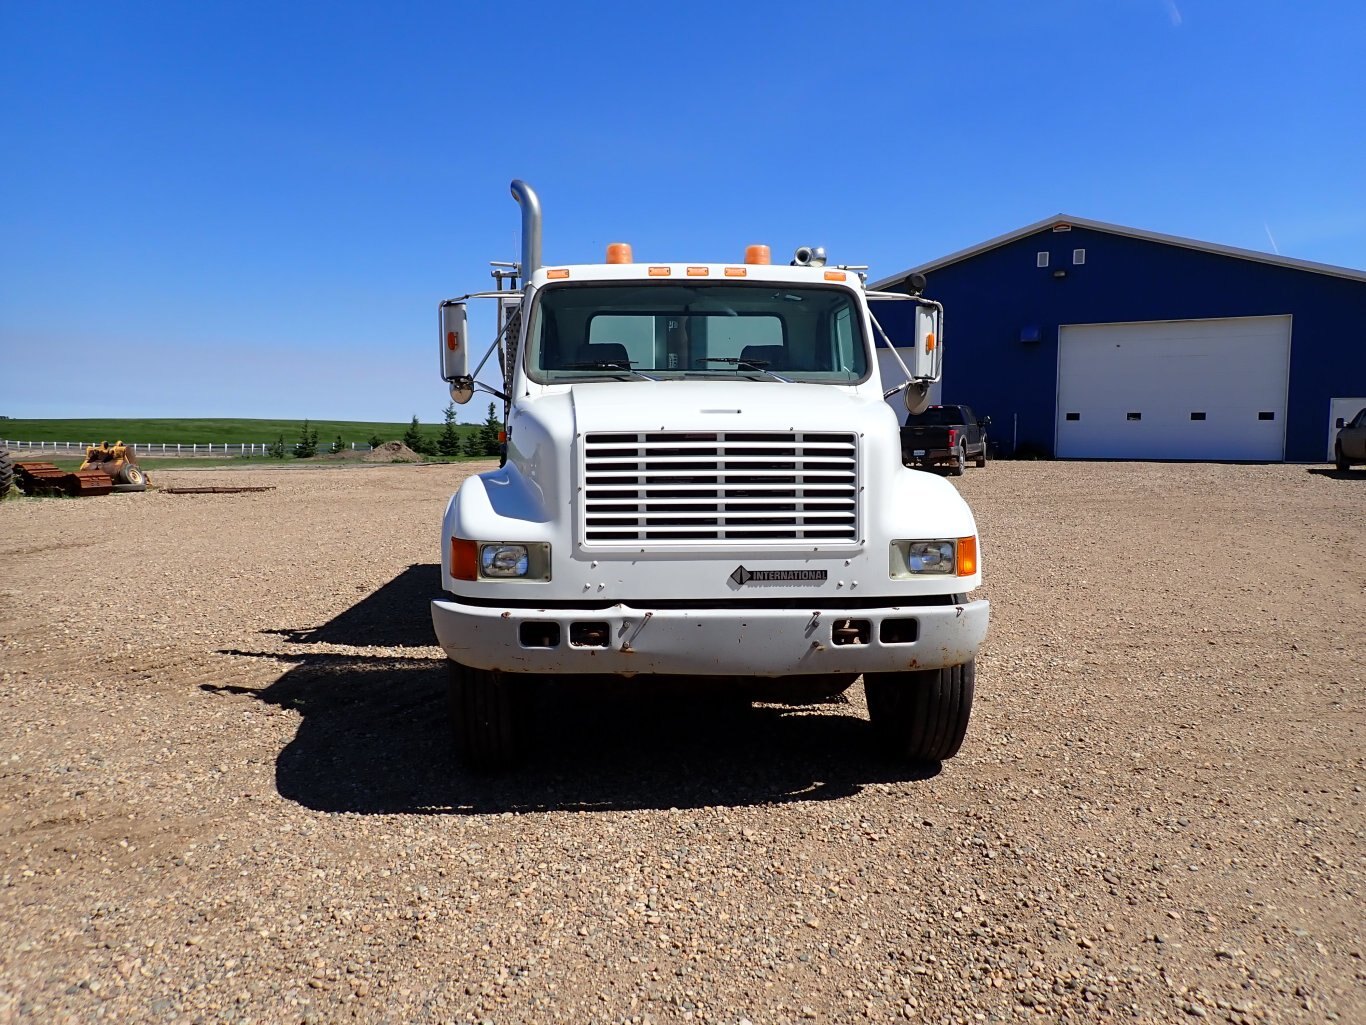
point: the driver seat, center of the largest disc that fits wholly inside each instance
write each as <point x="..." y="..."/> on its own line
<point x="772" y="357"/>
<point x="601" y="352"/>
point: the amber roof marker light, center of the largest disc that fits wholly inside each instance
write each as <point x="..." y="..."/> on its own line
<point x="758" y="254"/>
<point x="619" y="252"/>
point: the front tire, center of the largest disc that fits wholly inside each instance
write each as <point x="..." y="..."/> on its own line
<point x="922" y="715"/>
<point x="487" y="716"/>
<point x="1339" y="459"/>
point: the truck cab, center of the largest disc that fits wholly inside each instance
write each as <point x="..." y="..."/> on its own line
<point x="703" y="482"/>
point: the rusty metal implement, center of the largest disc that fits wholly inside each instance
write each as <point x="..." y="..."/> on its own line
<point x="118" y="462"/>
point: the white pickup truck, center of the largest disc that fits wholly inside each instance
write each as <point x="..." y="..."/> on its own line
<point x="703" y="480"/>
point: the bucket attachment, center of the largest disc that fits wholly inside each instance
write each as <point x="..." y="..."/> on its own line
<point x="87" y="483"/>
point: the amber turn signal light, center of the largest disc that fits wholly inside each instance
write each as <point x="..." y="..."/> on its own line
<point x="967" y="556"/>
<point x="464" y="559"/>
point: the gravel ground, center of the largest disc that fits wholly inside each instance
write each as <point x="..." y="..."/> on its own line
<point x="227" y="794"/>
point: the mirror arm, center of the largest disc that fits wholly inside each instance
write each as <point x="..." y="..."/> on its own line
<point x="895" y="355"/>
<point x="497" y="342"/>
<point x="919" y="301"/>
<point x="481" y="386"/>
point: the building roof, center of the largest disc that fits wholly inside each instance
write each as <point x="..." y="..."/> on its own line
<point x="1119" y="229"/>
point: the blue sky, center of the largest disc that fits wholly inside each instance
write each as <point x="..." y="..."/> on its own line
<point x="252" y="209"/>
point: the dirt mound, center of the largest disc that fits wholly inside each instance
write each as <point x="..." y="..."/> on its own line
<point x="392" y="452"/>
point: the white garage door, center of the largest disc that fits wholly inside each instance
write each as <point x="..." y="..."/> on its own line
<point x="1177" y="389"/>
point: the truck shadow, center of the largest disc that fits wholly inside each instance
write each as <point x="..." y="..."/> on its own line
<point x="396" y="615"/>
<point x="375" y="739"/>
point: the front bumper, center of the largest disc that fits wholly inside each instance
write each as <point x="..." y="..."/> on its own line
<point x="706" y="641"/>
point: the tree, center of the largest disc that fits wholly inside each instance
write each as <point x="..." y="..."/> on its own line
<point x="449" y="442"/>
<point x="307" y="445"/>
<point x="277" y="448"/>
<point x="375" y="441"/>
<point x="337" y="445"/>
<point x="490" y="443"/>
<point x="413" y="438"/>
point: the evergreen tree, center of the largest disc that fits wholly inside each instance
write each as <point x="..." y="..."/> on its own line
<point x="375" y="441"/>
<point x="277" y="448"/>
<point x="449" y="442"/>
<point x="489" y="445"/>
<point x="414" y="439"/>
<point x="337" y="445"/>
<point x="307" y="445"/>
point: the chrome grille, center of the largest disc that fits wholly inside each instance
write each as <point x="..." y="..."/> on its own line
<point x="675" y="487"/>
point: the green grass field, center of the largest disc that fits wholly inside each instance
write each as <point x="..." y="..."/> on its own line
<point x="217" y="431"/>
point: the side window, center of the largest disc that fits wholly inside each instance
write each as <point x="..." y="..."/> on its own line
<point x="1360" y="420"/>
<point x="842" y="327"/>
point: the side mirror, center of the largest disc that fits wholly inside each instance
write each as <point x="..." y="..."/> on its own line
<point x="1342" y="422"/>
<point x="455" y="353"/>
<point x="916" y="395"/>
<point x="927" y="357"/>
<point x="984" y="422"/>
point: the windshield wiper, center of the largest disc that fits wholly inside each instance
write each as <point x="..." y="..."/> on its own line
<point x="608" y="364"/>
<point x="759" y="365"/>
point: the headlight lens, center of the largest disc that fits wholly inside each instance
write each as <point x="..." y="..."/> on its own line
<point x="929" y="556"/>
<point x="503" y="560"/>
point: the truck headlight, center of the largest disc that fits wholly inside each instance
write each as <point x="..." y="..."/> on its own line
<point x="500" y="560"/>
<point x="927" y="557"/>
<point x="947" y="557"/>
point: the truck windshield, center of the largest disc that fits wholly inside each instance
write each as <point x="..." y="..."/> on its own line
<point x="756" y="331"/>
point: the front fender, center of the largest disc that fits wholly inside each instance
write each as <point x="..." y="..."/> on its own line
<point x="498" y="505"/>
<point x="923" y="506"/>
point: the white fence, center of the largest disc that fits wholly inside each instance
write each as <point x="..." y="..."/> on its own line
<point x="203" y="448"/>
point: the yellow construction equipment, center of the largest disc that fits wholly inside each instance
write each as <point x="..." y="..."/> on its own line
<point x="119" y="462"/>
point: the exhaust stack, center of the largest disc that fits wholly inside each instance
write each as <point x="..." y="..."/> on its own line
<point x="531" y="227"/>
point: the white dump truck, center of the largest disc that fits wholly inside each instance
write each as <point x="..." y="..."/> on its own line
<point x="703" y="482"/>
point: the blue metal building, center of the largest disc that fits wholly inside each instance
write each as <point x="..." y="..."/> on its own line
<point x="1090" y="340"/>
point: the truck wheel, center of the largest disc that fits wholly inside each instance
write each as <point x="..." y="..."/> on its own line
<point x="6" y="474"/>
<point x="1339" y="459"/>
<point x="960" y="462"/>
<point x="488" y="719"/>
<point x="982" y="455"/>
<point x="922" y="715"/>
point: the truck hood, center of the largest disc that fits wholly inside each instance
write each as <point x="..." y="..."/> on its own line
<point x="722" y="406"/>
